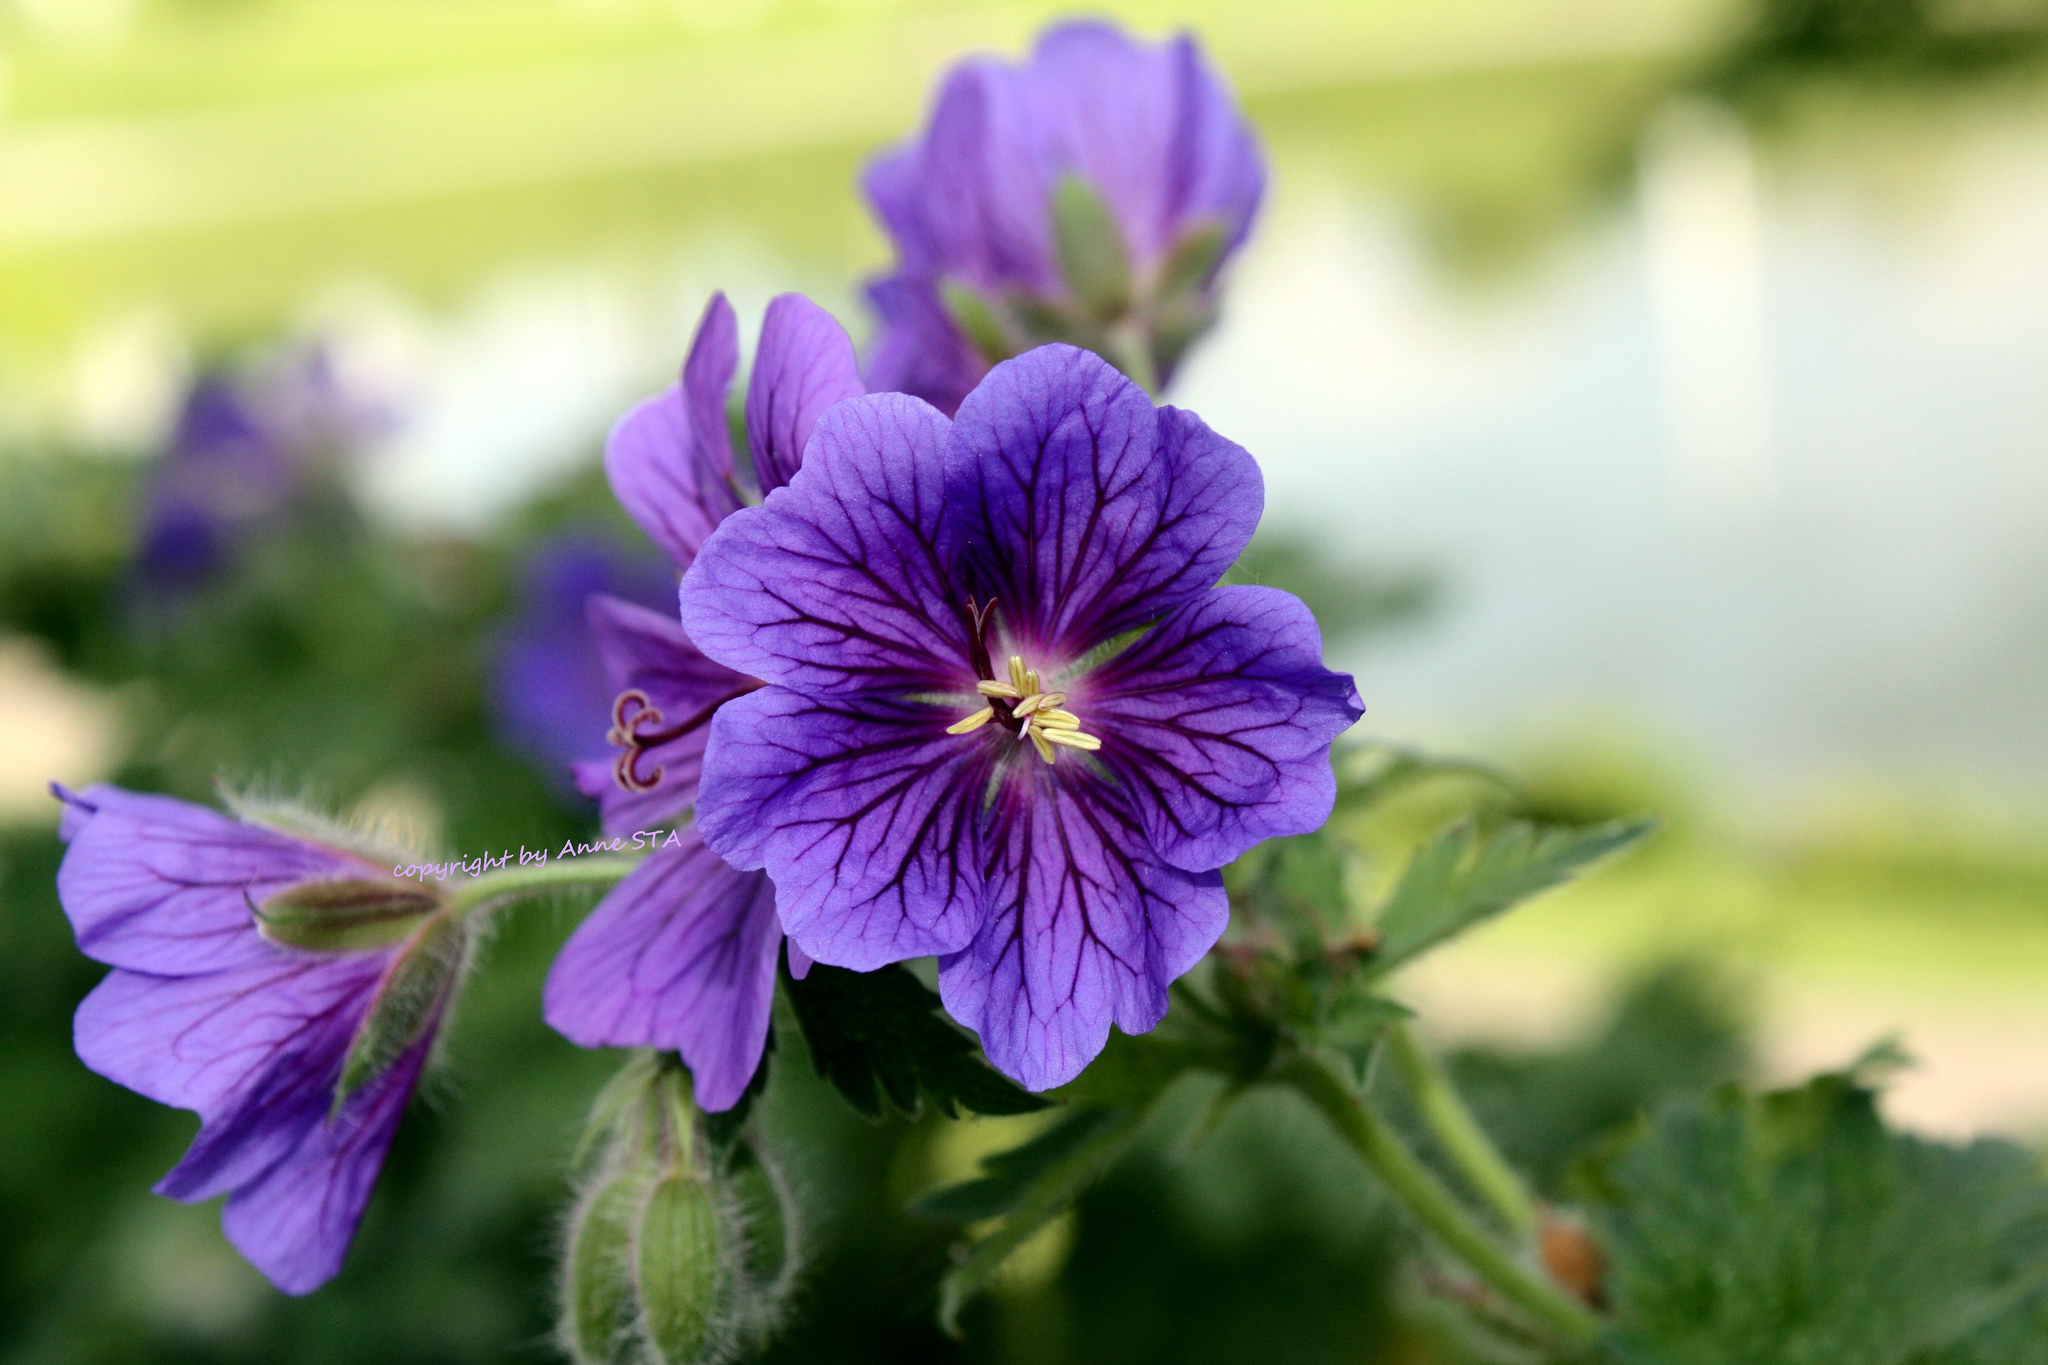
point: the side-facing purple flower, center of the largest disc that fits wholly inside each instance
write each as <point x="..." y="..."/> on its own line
<point x="286" y="987"/>
<point x="681" y="954"/>
<point x="548" y="678"/>
<point x="1010" y="719"/>
<point x="1091" y="194"/>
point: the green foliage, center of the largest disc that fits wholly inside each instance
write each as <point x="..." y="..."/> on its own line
<point x="1463" y="878"/>
<point x="880" y="1034"/>
<point x="1793" y="1229"/>
<point x="1350" y="600"/>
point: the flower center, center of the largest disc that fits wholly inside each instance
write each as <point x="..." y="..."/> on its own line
<point x="1019" y="703"/>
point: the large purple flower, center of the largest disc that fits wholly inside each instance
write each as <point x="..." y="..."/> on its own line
<point x="299" y="1059"/>
<point x="681" y="954"/>
<point x="1010" y="719"/>
<point x="1090" y="194"/>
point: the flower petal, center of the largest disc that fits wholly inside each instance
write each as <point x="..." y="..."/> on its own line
<point x="206" y="1042"/>
<point x="680" y="956"/>
<point x="861" y="811"/>
<point x="803" y="366"/>
<point x="919" y="350"/>
<point x="164" y="886"/>
<point x="296" y="1220"/>
<point x="652" y="652"/>
<point x="670" y="458"/>
<point x="1086" y="927"/>
<point x="834" y="585"/>
<point x="1218" y="723"/>
<point x="1084" y="513"/>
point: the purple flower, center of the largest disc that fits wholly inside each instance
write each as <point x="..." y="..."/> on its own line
<point x="286" y="988"/>
<point x="1010" y="719"/>
<point x="1091" y="194"/>
<point x="549" y="680"/>
<point x="247" y="448"/>
<point x="682" y="953"/>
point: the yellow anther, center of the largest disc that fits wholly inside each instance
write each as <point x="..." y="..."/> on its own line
<point x="996" y="689"/>
<point x="1030" y="680"/>
<point x="973" y="722"/>
<point x="1040" y="742"/>
<point x="1033" y="702"/>
<point x="1072" y="739"/>
<point x="1052" y="718"/>
<point x="1018" y="677"/>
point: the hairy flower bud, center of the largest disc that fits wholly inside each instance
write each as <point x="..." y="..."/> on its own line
<point x="344" y="915"/>
<point x="677" y="1270"/>
<point x="598" y="1307"/>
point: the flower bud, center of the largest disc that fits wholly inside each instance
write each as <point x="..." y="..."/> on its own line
<point x="345" y="915"/>
<point x="683" y="1304"/>
<point x="414" y="991"/>
<point x="598" y="1307"/>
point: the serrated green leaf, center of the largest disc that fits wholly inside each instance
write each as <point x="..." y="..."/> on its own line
<point x="1793" y="1229"/>
<point x="1462" y="879"/>
<point x="1296" y="884"/>
<point x="880" y="1034"/>
<point x="1061" y="1171"/>
<point x="1010" y="1175"/>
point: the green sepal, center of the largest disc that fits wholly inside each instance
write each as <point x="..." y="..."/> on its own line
<point x="1191" y="263"/>
<point x="598" y="1311"/>
<point x="344" y="915"/>
<point x="1093" y="257"/>
<point x="676" y="1267"/>
<point x="409" y="1001"/>
<point x="977" y="318"/>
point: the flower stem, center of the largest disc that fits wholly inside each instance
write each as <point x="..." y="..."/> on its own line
<point x="512" y="882"/>
<point x="1460" y="1135"/>
<point x="1426" y="1197"/>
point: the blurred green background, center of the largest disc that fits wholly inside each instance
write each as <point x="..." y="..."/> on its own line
<point x="1650" y="401"/>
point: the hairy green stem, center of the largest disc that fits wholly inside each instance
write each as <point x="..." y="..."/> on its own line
<point x="511" y="882"/>
<point x="1460" y="1135"/>
<point x="1426" y="1197"/>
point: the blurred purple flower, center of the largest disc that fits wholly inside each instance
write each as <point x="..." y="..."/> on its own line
<point x="299" y="1062"/>
<point x="248" y="448"/>
<point x="881" y="776"/>
<point x="1091" y="194"/>
<point x="681" y="954"/>
<point x="549" y="684"/>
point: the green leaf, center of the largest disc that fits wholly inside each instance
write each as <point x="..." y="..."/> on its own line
<point x="345" y="915"/>
<point x="1793" y="1229"/>
<point x="1029" y="1187"/>
<point x="1093" y="257"/>
<point x="1295" y="884"/>
<point x="880" y="1033"/>
<point x="1462" y="879"/>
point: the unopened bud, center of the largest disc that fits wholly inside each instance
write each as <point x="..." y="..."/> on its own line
<point x="417" y="985"/>
<point x="678" y="1270"/>
<point x="347" y="915"/>
<point x="598" y="1307"/>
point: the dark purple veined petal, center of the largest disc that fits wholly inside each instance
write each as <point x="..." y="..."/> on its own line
<point x="1083" y="512"/>
<point x="681" y="956"/>
<point x="1085" y="927"/>
<point x="861" y="810"/>
<point x="834" y="585"/>
<point x="652" y="653"/>
<point x="804" y="364"/>
<point x="162" y="886"/>
<point x="1218" y="723"/>
<point x="669" y="459"/>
